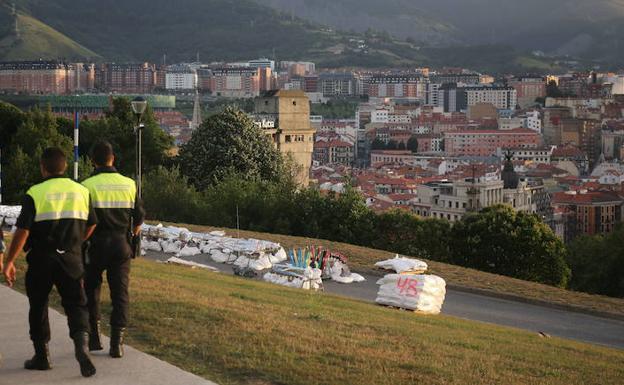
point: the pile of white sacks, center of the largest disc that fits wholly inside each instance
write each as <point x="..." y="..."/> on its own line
<point x="409" y="288"/>
<point x="254" y="254"/>
<point x="287" y="275"/>
<point x="248" y="253"/>
<point x="8" y="215"/>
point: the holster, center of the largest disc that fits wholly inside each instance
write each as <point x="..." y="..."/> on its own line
<point x="85" y="252"/>
<point x="135" y="244"/>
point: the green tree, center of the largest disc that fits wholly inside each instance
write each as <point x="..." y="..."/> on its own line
<point x="412" y="144"/>
<point x="168" y="195"/>
<point x="402" y="232"/>
<point x="262" y="205"/>
<point x="503" y="241"/>
<point x="401" y="146"/>
<point x="597" y="263"/>
<point x="11" y="118"/>
<point x="38" y="131"/>
<point x="117" y="127"/>
<point x="230" y="143"/>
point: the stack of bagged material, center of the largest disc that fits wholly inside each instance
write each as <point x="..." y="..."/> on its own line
<point x="245" y="253"/>
<point x="419" y="292"/>
<point x="410" y="288"/>
<point x="403" y="265"/>
<point x="9" y="214"/>
<point x="301" y="278"/>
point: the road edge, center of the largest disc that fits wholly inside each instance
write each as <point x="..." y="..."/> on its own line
<point x="533" y="301"/>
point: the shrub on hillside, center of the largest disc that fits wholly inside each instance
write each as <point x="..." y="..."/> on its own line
<point x="597" y="263"/>
<point x="500" y="240"/>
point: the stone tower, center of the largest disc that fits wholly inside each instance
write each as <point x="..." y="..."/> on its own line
<point x="285" y="115"/>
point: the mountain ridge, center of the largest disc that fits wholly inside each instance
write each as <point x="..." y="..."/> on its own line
<point x="560" y="23"/>
<point x="228" y="30"/>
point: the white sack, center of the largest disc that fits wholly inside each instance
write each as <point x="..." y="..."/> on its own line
<point x="402" y="264"/>
<point x="422" y="293"/>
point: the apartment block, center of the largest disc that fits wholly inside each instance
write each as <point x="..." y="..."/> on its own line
<point x="488" y="142"/>
<point x="126" y="78"/>
<point x="46" y="77"/>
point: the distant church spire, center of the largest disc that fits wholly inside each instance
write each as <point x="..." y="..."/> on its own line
<point x="197" y="119"/>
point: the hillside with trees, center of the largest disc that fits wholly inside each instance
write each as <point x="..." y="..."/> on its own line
<point x="225" y="30"/>
<point x="589" y="29"/>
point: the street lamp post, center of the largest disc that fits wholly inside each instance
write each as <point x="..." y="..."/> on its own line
<point x="139" y="104"/>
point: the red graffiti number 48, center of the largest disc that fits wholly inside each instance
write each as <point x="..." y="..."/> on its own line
<point x="407" y="286"/>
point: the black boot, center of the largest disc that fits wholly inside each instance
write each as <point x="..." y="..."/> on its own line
<point x="94" y="337"/>
<point x="116" y="342"/>
<point x="41" y="359"/>
<point x="82" y="355"/>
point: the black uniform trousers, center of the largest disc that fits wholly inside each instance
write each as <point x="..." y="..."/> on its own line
<point x="110" y="253"/>
<point x="45" y="271"/>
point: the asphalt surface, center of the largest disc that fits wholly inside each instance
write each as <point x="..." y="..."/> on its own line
<point x="135" y="368"/>
<point x="536" y="318"/>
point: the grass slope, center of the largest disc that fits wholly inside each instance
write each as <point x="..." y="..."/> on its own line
<point x="236" y="331"/>
<point x="37" y="40"/>
<point x="363" y="259"/>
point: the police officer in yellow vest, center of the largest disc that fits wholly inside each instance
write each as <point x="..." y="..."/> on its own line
<point x="120" y="215"/>
<point x="56" y="218"/>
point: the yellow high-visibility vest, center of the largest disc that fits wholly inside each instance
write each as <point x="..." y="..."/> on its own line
<point x="111" y="190"/>
<point x="59" y="198"/>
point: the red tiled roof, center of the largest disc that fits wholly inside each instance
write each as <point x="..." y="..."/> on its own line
<point x="567" y="152"/>
<point x="401" y="197"/>
<point x="332" y="143"/>
<point x="587" y="197"/>
<point x="499" y="132"/>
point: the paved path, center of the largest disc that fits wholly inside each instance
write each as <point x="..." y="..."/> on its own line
<point x="135" y="368"/>
<point x="561" y="323"/>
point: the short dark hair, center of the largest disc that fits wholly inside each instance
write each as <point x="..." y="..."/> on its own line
<point x="102" y="153"/>
<point x="54" y="160"/>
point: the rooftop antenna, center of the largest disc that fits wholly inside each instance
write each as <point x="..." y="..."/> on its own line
<point x="197" y="56"/>
<point x="164" y="60"/>
<point x="14" y="15"/>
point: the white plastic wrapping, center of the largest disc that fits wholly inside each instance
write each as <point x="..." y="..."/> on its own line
<point x="183" y="262"/>
<point x="253" y="253"/>
<point x="422" y="293"/>
<point x="188" y="251"/>
<point x="9" y="214"/>
<point x="310" y="279"/>
<point x="403" y="265"/>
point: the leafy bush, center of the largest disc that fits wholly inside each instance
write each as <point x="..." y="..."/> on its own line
<point x="597" y="263"/>
<point x="500" y="240"/>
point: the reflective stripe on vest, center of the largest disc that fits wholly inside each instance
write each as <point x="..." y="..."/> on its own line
<point x="111" y="191"/>
<point x="59" y="198"/>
